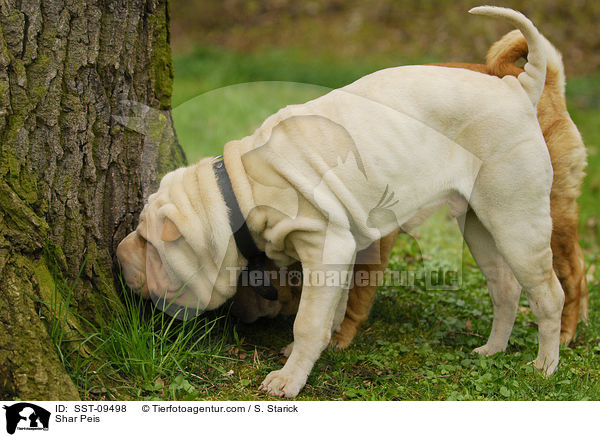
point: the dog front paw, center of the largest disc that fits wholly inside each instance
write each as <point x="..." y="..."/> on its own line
<point x="340" y="340"/>
<point x="287" y="350"/>
<point x="283" y="383"/>
<point x="566" y="337"/>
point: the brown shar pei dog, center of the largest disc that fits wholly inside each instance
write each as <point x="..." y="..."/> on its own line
<point x="568" y="156"/>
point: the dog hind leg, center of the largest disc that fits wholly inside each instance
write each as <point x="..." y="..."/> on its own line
<point x="521" y="227"/>
<point x="503" y="287"/>
<point x="583" y="297"/>
<point x="569" y="267"/>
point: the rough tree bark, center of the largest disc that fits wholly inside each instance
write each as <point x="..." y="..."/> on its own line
<point x="73" y="171"/>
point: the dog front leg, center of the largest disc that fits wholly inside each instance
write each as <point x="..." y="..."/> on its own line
<point x="323" y="290"/>
<point x="338" y="317"/>
<point x="370" y="264"/>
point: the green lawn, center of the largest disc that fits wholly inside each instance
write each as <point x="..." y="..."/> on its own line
<point x="416" y="344"/>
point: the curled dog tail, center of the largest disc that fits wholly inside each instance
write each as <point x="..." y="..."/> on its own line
<point x="533" y="78"/>
<point x="511" y="47"/>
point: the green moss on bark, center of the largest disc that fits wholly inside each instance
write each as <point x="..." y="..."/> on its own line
<point x="162" y="65"/>
<point x="22" y="332"/>
<point x="71" y="179"/>
<point x="20" y="218"/>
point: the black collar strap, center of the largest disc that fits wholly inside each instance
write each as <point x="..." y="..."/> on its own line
<point x="256" y="270"/>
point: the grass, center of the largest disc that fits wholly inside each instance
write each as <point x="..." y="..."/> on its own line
<point x="139" y="349"/>
<point x="417" y="342"/>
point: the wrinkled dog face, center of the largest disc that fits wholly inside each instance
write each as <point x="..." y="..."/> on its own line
<point x="175" y="254"/>
<point x="138" y="253"/>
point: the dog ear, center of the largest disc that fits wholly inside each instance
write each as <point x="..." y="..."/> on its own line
<point x="170" y="231"/>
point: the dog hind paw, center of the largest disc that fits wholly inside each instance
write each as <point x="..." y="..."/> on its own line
<point x="486" y="350"/>
<point x="543" y="366"/>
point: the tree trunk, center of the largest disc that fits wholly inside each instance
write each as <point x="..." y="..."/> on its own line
<point x="85" y="131"/>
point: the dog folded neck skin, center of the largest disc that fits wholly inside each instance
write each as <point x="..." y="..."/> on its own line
<point x="195" y="270"/>
<point x="201" y="215"/>
<point x="251" y="198"/>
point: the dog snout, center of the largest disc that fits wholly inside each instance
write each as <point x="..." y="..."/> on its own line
<point x="131" y="254"/>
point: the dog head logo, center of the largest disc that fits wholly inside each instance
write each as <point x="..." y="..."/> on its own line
<point x="26" y="416"/>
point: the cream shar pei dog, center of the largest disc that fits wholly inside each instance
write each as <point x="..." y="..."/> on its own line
<point x="568" y="157"/>
<point x="318" y="182"/>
